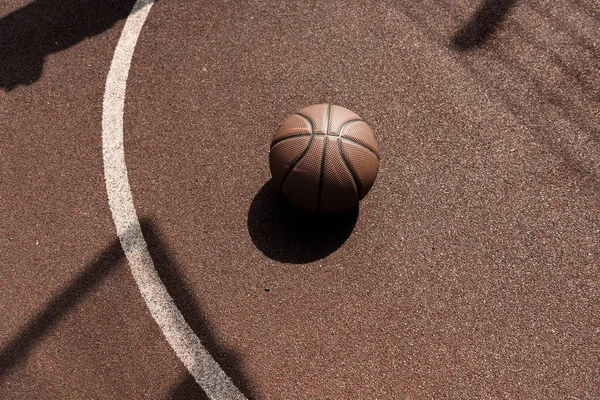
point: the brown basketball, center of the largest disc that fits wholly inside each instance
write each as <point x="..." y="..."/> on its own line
<point x="324" y="158"/>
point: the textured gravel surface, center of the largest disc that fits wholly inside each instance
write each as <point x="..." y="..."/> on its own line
<point x="470" y="270"/>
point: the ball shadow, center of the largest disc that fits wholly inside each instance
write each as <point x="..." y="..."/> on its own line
<point x="286" y="234"/>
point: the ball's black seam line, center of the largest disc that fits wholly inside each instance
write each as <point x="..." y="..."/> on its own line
<point x="283" y="139"/>
<point x="344" y="125"/>
<point x="296" y="163"/>
<point x="308" y="119"/>
<point x="325" y="140"/>
<point x="354" y="176"/>
<point x="347" y="123"/>
<point x="361" y="145"/>
<point x="322" y="134"/>
<point x="356" y="141"/>
<point x="312" y="131"/>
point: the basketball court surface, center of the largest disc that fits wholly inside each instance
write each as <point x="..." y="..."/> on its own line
<point x="146" y="253"/>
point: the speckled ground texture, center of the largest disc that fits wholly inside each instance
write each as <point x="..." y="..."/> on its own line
<point x="469" y="271"/>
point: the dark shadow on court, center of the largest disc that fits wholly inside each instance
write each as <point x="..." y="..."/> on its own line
<point x="187" y="389"/>
<point x="483" y="24"/>
<point x="16" y="352"/>
<point x="43" y="27"/>
<point x="286" y="234"/>
<point x="170" y="274"/>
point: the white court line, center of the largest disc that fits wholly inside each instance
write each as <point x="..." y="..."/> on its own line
<point x="180" y="336"/>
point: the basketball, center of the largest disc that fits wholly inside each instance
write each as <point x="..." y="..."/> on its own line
<point x="324" y="159"/>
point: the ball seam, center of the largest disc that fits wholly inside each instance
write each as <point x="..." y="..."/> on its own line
<point x="325" y="140"/>
<point x="345" y="124"/>
<point x="366" y="146"/>
<point x="354" y="176"/>
<point x="336" y="136"/>
<point x="312" y="130"/>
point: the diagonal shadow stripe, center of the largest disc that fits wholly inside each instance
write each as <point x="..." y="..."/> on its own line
<point x="171" y="276"/>
<point x="16" y="351"/>
<point x="186" y="389"/>
<point x="484" y="23"/>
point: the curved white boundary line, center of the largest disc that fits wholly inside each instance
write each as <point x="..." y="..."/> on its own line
<point x="180" y="336"/>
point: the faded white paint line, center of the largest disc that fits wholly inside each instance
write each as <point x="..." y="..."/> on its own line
<point x="180" y="336"/>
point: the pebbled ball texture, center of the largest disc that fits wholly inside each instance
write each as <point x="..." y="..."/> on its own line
<point x="324" y="158"/>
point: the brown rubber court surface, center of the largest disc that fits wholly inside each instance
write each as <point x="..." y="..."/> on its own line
<point x="469" y="271"/>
